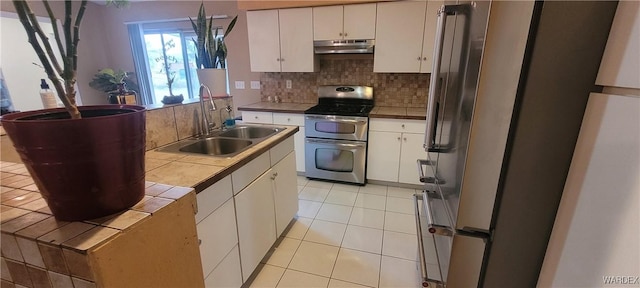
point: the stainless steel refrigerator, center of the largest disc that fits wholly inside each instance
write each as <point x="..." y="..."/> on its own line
<point x="507" y="94"/>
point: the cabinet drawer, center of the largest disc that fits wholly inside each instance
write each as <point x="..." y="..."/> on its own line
<point x="227" y="274"/>
<point x="288" y="119"/>
<point x="213" y="197"/>
<point x="257" y="117"/>
<point x="281" y="150"/>
<point x="397" y="125"/>
<point x="247" y="173"/>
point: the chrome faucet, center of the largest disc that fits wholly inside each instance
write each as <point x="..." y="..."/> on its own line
<point x="207" y="125"/>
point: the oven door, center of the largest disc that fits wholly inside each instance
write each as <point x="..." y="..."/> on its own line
<point x="335" y="159"/>
<point x="336" y="127"/>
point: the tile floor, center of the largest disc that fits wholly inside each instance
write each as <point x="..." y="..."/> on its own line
<point x="346" y="236"/>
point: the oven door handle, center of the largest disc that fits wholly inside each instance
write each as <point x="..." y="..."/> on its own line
<point x="337" y="119"/>
<point x="336" y="143"/>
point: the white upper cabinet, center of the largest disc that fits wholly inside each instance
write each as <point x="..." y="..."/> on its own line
<point x="344" y="22"/>
<point x="281" y="40"/>
<point x="404" y="36"/>
<point x="264" y="40"/>
<point x="430" y="21"/>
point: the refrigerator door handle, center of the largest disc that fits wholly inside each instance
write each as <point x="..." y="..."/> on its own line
<point x="423" y="262"/>
<point x="432" y="227"/>
<point x="434" y="85"/>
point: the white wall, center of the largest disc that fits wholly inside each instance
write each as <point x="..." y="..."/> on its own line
<point x="16" y="58"/>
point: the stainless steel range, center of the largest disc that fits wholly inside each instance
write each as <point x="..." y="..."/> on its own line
<point x="336" y="134"/>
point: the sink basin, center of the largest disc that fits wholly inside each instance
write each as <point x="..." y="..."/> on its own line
<point x="250" y="132"/>
<point x="216" y="146"/>
<point x="223" y="143"/>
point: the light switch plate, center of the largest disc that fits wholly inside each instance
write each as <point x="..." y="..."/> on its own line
<point x="239" y="84"/>
<point x="255" y="84"/>
<point x="288" y="83"/>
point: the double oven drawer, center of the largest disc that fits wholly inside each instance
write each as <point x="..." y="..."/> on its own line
<point x="336" y="127"/>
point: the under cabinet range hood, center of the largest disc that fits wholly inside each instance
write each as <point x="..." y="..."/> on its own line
<point x="343" y="46"/>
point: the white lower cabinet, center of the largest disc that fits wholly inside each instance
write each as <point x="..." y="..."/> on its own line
<point x="383" y="156"/>
<point x="236" y="232"/>
<point x="256" y="222"/>
<point x="285" y="192"/>
<point x="394" y="147"/>
<point x="227" y="273"/>
<point x="217" y="234"/>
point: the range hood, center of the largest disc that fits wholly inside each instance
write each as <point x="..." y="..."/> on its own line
<point x="343" y="46"/>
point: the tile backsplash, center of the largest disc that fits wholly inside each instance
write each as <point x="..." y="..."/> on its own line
<point x="389" y="89"/>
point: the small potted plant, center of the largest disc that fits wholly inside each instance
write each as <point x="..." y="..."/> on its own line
<point x="211" y="53"/>
<point x="88" y="161"/>
<point x="116" y="84"/>
<point x="167" y="61"/>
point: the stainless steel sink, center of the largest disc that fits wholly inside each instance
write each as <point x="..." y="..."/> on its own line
<point x="223" y="143"/>
<point x="217" y="146"/>
<point x="250" y="132"/>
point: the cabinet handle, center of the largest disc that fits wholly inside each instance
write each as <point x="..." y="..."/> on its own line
<point x="278" y="59"/>
<point x="340" y="34"/>
<point x="281" y="59"/>
<point x="288" y="119"/>
<point x="424" y="58"/>
<point x="419" y="58"/>
<point x="274" y="176"/>
<point x="398" y="138"/>
<point x="405" y="139"/>
<point x="199" y="242"/>
<point x="402" y="126"/>
<point x="345" y="34"/>
<point x="256" y="117"/>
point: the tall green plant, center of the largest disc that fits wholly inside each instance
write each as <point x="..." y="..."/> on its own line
<point x="62" y="76"/>
<point x="212" y="52"/>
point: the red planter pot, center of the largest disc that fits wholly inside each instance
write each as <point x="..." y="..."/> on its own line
<point x="84" y="168"/>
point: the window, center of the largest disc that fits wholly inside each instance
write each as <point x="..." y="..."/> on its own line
<point x="164" y="55"/>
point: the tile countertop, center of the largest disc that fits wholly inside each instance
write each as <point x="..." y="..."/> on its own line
<point x="200" y="172"/>
<point x="277" y="107"/>
<point x="25" y="213"/>
<point x="377" y="112"/>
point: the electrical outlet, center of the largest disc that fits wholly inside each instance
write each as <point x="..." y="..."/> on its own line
<point x="239" y="84"/>
<point x="288" y="83"/>
<point x="255" y="84"/>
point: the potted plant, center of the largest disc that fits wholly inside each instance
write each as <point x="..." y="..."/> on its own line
<point x="211" y="53"/>
<point x="116" y="84"/>
<point x="87" y="161"/>
<point x="167" y="61"/>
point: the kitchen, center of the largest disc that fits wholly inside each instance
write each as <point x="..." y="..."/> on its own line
<point x="239" y="71"/>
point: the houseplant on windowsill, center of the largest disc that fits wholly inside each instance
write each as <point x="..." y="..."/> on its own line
<point x="115" y="84"/>
<point x="211" y="53"/>
<point x="87" y="161"/>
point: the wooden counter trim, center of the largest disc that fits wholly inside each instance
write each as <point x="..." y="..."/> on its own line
<point x="233" y="167"/>
<point x="388" y="116"/>
<point x="275" y="110"/>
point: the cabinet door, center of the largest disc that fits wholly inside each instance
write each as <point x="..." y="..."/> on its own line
<point x="429" y="35"/>
<point x="285" y="191"/>
<point x="264" y="42"/>
<point x="257" y="117"/>
<point x="227" y="274"/>
<point x="383" y="156"/>
<point x="256" y="222"/>
<point x="411" y="151"/>
<point x="399" y="32"/>
<point x="218" y="236"/>
<point x="360" y="21"/>
<point x="298" y="139"/>
<point x="296" y="40"/>
<point x="327" y="23"/>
